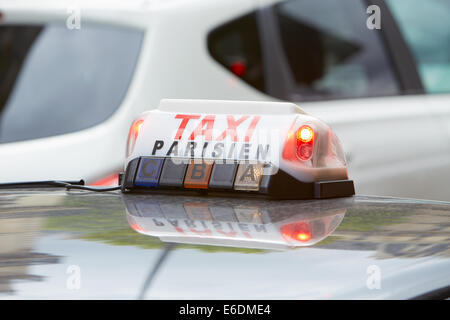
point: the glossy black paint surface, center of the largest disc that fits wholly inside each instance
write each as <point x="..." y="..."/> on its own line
<point x="56" y="244"/>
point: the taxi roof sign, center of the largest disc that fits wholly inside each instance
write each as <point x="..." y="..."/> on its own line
<point x="229" y="107"/>
<point x="250" y="224"/>
<point x="261" y="148"/>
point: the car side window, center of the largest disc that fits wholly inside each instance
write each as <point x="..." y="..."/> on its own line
<point x="78" y="77"/>
<point x="330" y="51"/>
<point x="426" y="28"/>
<point x="236" y="46"/>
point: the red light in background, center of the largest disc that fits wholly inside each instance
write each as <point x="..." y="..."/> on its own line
<point x="238" y="68"/>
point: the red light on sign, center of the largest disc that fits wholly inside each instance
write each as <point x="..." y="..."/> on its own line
<point x="299" y="231"/>
<point x="305" y="151"/>
<point x="305" y="142"/>
<point x="137" y="127"/>
<point x="305" y="134"/>
<point x="299" y="144"/>
<point x="302" y="236"/>
<point x="133" y="134"/>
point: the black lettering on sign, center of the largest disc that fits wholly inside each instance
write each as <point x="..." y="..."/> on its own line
<point x="232" y="153"/>
<point x="245" y="149"/>
<point x="173" y="149"/>
<point x="205" y="145"/>
<point x="158" y="145"/>
<point x="261" y="154"/>
<point x="191" y="147"/>
<point x="218" y="150"/>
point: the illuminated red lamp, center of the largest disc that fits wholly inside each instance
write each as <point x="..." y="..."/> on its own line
<point x="238" y="68"/>
<point x="305" y="142"/>
<point x="298" y="231"/>
<point x="299" y="144"/>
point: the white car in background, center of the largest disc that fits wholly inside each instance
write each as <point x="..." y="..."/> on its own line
<point x="68" y="95"/>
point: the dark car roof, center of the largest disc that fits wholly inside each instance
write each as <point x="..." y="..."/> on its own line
<point x="220" y="248"/>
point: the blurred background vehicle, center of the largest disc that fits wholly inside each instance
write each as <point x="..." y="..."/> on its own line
<point x="68" y="96"/>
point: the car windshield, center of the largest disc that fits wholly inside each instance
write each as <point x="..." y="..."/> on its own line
<point x="51" y="84"/>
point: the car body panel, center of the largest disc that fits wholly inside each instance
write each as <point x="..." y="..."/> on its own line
<point x="51" y="237"/>
<point x="404" y="151"/>
<point x="395" y="146"/>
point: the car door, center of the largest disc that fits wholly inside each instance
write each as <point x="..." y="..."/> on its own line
<point x="425" y="26"/>
<point x="323" y="55"/>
